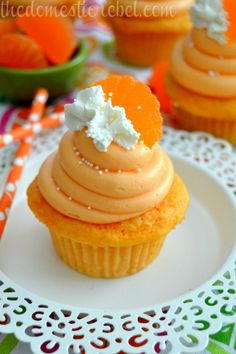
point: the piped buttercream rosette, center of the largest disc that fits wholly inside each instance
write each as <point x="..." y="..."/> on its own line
<point x="105" y="124"/>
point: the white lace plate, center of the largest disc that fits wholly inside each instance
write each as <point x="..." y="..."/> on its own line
<point x="172" y="306"/>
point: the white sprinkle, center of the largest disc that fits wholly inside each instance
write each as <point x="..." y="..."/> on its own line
<point x="70" y="199"/>
<point x="110" y="94"/>
<point x="91" y="164"/>
<point x="74" y="148"/>
<point x="212" y="73"/>
<point x="119" y="171"/>
<point x="83" y="159"/>
<point x="106" y="170"/>
<point x="100" y="172"/>
<point x="89" y="208"/>
<point x="77" y="153"/>
<point x="139" y="170"/>
<point x="58" y="189"/>
<point x="80" y="163"/>
<point x="139" y="107"/>
<point x="97" y="168"/>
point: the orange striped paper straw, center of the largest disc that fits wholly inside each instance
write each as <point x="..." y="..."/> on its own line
<point x="31" y="129"/>
<point x="22" y="154"/>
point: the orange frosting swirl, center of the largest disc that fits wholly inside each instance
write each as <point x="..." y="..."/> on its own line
<point x="85" y="184"/>
<point x="204" y="66"/>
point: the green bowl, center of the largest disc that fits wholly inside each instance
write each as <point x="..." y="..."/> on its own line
<point x="20" y="85"/>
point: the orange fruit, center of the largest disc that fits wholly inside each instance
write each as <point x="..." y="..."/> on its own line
<point x="141" y="106"/>
<point x="7" y="26"/>
<point x="229" y="6"/>
<point x="157" y="85"/>
<point x="20" y="52"/>
<point x="54" y="34"/>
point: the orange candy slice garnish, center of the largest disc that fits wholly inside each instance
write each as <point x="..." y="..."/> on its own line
<point x="7" y="26"/>
<point x="20" y="52"/>
<point x="229" y="6"/>
<point x="54" y="34"/>
<point x="141" y="106"/>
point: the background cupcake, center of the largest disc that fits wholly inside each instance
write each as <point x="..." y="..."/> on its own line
<point x="146" y="31"/>
<point x="109" y="195"/>
<point x="202" y="76"/>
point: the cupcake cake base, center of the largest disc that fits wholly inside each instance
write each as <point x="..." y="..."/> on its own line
<point x="111" y="251"/>
<point x="221" y="129"/>
<point x="106" y="262"/>
<point x="145" y="40"/>
<point x="131" y="47"/>
<point x="193" y="112"/>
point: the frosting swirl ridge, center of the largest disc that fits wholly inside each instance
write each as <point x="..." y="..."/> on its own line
<point x="85" y="184"/>
<point x="204" y="66"/>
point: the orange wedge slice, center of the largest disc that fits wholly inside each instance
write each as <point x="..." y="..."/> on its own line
<point x="7" y="26"/>
<point x="20" y="52"/>
<point x="141" y="106"/>
<point x="54" y="34"/>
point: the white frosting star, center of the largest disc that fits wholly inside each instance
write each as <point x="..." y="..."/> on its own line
<point x="210" y="14"/>
<point x="105" y="123"/>
<point x="84" y="108"/>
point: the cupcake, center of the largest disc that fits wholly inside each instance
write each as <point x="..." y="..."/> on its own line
<point x="202" y="77"/>
<point x="146" y="31"/>
<point x="109" y="195"/>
